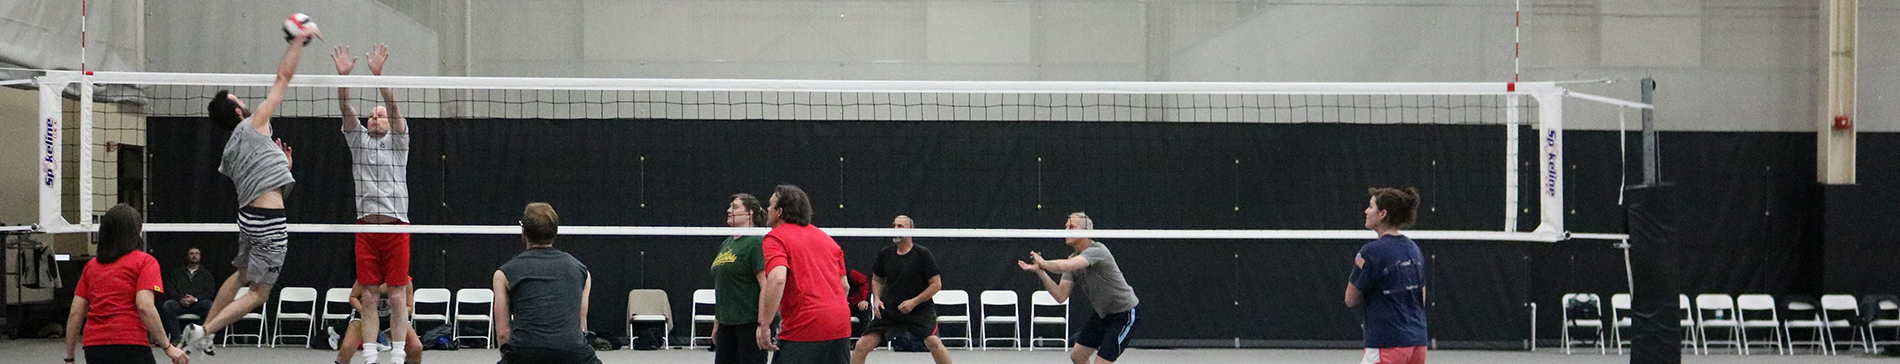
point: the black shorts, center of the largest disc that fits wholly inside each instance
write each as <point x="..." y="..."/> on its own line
<point x="511" y="354"/>
<point x="813" y="352"/>
<point x="738" y="344"/>
<point x="1108" y="335"/>
<point x="919" y="323"/>
<point x="120" y="354"/>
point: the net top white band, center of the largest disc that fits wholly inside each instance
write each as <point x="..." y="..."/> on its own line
<point x="863" y="86"/>
<point x="922" y="233"/>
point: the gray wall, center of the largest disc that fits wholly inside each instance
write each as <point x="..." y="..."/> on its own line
<point x="237" y="36"/>
<point x="1723" y="65"/>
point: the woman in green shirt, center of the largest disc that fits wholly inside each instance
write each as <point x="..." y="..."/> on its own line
<point x="736" y="274"/>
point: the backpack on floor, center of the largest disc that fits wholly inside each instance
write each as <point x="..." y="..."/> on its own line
<point x="651" y="338"/>
<point x="439" y="338"/>
<point x="902" y="341"/>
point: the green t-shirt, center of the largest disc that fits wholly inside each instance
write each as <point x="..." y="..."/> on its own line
<point x="735" y="280"/>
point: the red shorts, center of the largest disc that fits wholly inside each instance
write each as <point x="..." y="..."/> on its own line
<point x="382" y="258"/>
<point x="1405" y="355"/>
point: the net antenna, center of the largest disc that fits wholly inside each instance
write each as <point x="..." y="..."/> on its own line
<point x="1239" y="102"/>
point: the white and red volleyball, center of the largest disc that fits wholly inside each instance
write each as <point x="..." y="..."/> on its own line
<point x="298" y="24"/>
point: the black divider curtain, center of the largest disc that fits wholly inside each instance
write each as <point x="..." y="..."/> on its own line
<point x="970" y="174"/>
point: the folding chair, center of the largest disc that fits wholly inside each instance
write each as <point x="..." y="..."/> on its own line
<point x="955" y="298"/>
<point x="427" y="298"/>
<point x="1716" y="310"/>
<point x="1620" y="309"/>
<point x="1837" y="309"/>
<point x="1037" y="302"/>
<point x="1802" y="314"/>
<point x="475" y="296"/>
<point x="257" y="315"/>
<point x="650" y="306"/>
<point x="1013" y="318"/>
<point x="294" y="295"/>
<point x="702" y="299"/>
<point x="1590" y="311"/>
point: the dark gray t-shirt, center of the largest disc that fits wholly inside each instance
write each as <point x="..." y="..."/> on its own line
<point x="1102" y="281"/>
<point x="544" y="295"/>
<point x="255" y="164"/>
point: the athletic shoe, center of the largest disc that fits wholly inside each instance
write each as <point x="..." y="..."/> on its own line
<point x="197" y="339"/>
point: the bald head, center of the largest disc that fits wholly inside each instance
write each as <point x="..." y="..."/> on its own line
<point x="902" y="222"/>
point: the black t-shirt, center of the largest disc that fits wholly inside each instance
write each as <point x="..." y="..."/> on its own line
<point x="905" y="276"/>
<point x="544" y="295"/>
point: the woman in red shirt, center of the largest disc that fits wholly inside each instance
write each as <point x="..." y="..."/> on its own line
<point x="114" y="300"/>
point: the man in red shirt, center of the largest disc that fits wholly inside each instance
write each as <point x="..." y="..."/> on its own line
<point x="805" y="277"/>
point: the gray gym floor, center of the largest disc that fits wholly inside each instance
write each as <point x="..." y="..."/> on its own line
<point x="51" y="351"/>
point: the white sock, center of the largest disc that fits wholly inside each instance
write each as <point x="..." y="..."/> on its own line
<point x="368" y="353"/>
<point x="396" y="353"/>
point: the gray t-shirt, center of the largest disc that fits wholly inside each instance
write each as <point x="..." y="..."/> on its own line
<point x="544" y="295"/>
<point x="1102" y="281"/>
<point x="255" y="164"/>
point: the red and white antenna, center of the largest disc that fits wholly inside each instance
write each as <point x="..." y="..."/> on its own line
<point x="82" y="39"/>
<point x="1517" y="42"/>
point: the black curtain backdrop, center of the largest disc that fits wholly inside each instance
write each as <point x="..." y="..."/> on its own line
<point x="1754" y="192"/>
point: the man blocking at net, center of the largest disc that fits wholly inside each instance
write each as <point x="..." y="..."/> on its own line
<point x="380" y="161"/>
<point x="1388" y="278"/>
<point x="536" y="296"/>
<point x="904" y="273"/>
<point x="260" y="169"/>
<point x="1093" y="268"/>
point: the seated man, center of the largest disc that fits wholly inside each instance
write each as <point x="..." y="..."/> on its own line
<point x="536" y="296"/>
<point x="191" y="290"/>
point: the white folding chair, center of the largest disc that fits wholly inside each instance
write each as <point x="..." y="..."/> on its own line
<point x="1013" y="318"/>
<point x="1803" y="315"/>
<point x="955" y="298"/>
<point x="1038" y="301"/>
<point x="708" y="300"/>
<point x="257" y="315"/>
<point x="1619" y="318"/>
<point x="474" y="296"/>
<point x="1716" y="310"/>
<point x="1889" y="317"/>
<point x="1836" y="309"/>
<point x="426" y="299"/>
<point x="1595" y="323"/>
<point x="1761" y="305"/>
<point x="650" y="306"/>
<point x="336" y="305"/>
<point x="1694" y="339"/>
<point x="304" y="297"/>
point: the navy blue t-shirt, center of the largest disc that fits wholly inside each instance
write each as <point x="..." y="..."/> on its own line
<point x="1392" y="288"/>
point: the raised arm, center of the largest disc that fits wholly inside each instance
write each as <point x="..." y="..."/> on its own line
<point x="1058" y="290"/>
<point x="260" y="118"/>
<point x="377" y="55"/>
<point x="344" y="64"/>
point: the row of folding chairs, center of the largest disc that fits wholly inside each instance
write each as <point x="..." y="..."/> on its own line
<point x="300" y="305"/>
<point x="981" y="321"/>
<point x="1724" y="320"/>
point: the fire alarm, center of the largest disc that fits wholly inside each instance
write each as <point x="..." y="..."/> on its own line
<point x="1843" y="122"/>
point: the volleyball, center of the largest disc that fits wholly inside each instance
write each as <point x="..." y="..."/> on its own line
<point x="298" y="24"/>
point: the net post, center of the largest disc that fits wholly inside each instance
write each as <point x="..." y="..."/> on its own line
<point x="1650" y="173"/>
<point x="49" y="149"/>
<point x="1550" y="177"/>
<point x="1511" y="161"/>
<point x="84" y="212"/>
